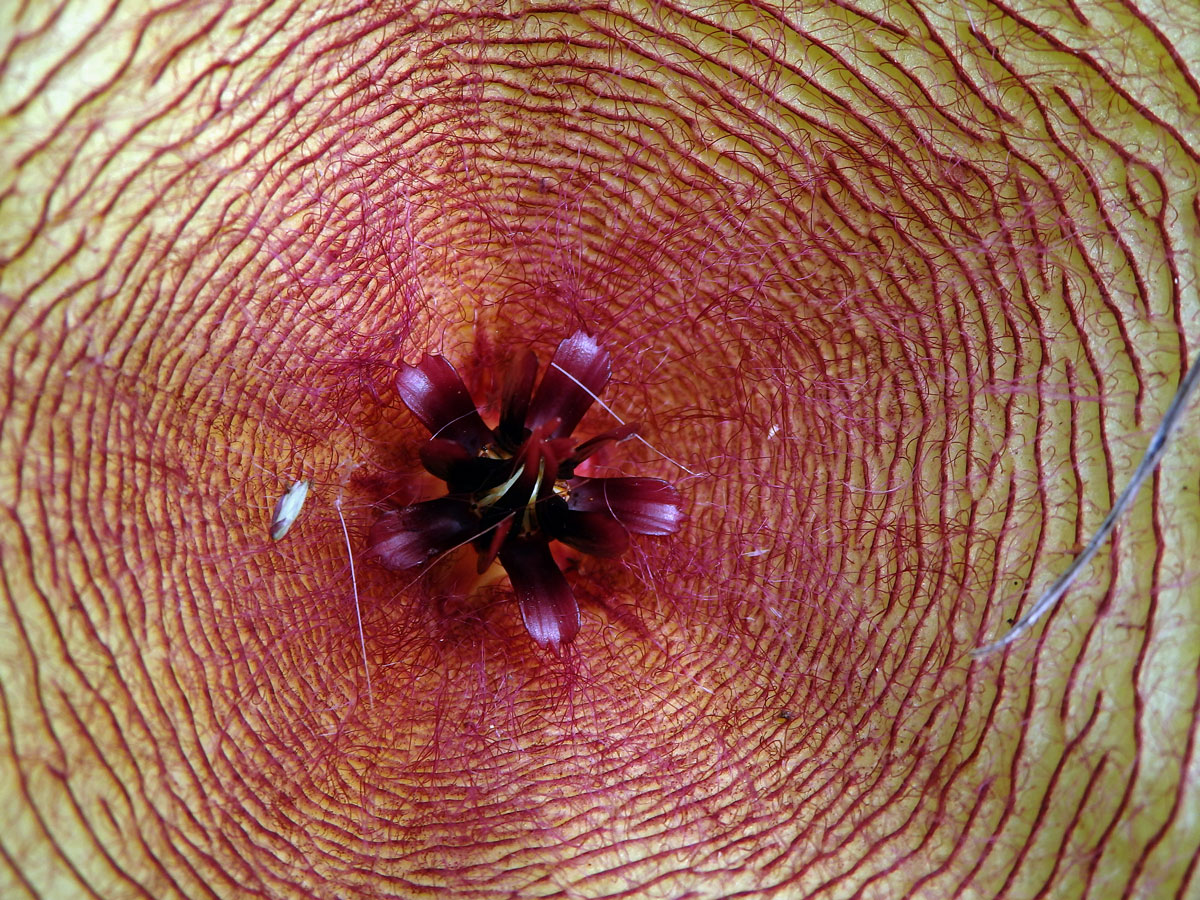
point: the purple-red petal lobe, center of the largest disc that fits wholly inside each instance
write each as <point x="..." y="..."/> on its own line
<point x="407" y="537"/>
<point x="595" y="533"/>
<point x="643" y="505"/>
<point x="442" y="457"/>
<point x="577" y="374"/>
<point x="462" y="470"/>
<point x="495" y="540"/>
<point x="548" y="607"/>
<point x="435" y="394"/>
<point x="515" y="397"/>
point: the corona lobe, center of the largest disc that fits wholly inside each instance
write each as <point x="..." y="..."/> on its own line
<point x="515" y="490"/>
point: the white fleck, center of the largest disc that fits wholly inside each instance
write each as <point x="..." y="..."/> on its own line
<point x="287" y="510"/>
<point x="774" y="431"/>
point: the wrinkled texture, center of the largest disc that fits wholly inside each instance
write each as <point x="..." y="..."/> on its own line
<point x="906" y="286"/>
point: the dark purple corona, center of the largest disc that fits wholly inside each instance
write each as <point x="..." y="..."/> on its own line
<point x="512" y="490"/>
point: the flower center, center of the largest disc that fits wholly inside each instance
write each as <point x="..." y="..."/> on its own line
<point x="512" y="490"/>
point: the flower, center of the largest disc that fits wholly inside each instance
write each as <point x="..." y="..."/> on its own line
<point x="512" y="490"/>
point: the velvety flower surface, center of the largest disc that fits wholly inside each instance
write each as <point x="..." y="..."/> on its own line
<point x="513" y="490"/>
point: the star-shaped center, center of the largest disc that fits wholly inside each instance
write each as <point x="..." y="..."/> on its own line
<point x="512" y="490"/>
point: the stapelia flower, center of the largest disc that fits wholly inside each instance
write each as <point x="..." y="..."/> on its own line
<point x="511" y="491"/>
